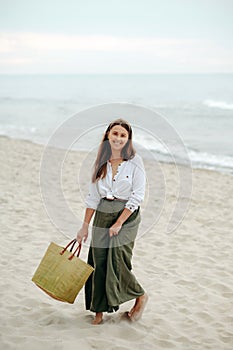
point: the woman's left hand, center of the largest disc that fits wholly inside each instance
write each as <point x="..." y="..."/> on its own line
<point x="114" y="229"/>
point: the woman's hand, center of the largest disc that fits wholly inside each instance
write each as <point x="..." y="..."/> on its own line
<point x="114" y="229"/>
<point x="82" y="234"/>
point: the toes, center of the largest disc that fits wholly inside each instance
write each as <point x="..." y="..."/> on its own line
<point x="97" y="322"/>
<point x="130" y="313"/>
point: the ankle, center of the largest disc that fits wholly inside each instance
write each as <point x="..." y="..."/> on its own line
<point x="142" y="297"/>
<point x="98" y="318"/>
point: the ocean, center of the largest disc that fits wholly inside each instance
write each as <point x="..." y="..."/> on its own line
<point x="198" y="106"/>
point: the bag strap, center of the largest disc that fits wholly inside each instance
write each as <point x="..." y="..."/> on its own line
<point x="72" y="247"/>
<point x="71" y="242"/>
<point x="78" y="249"/>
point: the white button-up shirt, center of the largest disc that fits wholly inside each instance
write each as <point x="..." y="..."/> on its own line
<point x="128" y="184"/>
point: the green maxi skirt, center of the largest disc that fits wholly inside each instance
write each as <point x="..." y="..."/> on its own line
<point x="112" y="282"/>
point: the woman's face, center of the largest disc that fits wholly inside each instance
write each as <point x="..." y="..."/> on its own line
<point x="118" y="137"/>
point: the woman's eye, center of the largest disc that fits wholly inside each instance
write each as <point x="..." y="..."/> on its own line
<point x="116" y="134"/>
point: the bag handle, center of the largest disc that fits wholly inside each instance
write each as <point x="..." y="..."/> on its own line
<point x="77" y="250"/>
<point x="73" y="241"/>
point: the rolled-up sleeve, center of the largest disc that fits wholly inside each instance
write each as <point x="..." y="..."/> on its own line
<point x="138" y="187"/>
<point x="93" y="197"/>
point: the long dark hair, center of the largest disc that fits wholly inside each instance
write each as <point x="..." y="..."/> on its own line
<point x="104" y="152"/>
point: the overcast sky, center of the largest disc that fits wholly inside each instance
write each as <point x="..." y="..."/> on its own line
<point x="122" y="36"/>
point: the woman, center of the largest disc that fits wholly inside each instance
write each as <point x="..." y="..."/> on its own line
<point x="115" y="194"/>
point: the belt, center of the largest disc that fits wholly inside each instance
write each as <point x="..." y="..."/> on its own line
<point x="114" y="199"/>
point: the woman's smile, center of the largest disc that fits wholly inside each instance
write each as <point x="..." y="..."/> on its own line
<point x="118" y="136"/>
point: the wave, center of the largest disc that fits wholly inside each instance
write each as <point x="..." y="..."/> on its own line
<point x="17" y="131"/>
<point x="200" y="160"/>
<point x="218" y="104"/>
<point x="211" y="161"/>
<point x="197" y="158"/>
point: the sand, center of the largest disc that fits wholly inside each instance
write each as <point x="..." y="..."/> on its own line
<point x="187" y="274"/>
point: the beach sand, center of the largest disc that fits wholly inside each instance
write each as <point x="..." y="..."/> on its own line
<point x="187" y="274"/>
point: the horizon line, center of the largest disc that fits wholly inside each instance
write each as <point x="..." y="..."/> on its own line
<point x="121" y="73"/>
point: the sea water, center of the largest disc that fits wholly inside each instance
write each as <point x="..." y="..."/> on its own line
<point x="198" y="106"/>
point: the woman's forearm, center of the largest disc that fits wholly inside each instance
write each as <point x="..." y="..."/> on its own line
<point x="124" y="216"/>
<point x="88" y="215"/>
<point x="116" y="227"/>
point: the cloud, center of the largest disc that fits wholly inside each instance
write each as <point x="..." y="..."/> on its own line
<point x="54" y="42"/>
<point x="142" y="53"/>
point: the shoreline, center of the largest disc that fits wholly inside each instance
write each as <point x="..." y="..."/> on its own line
<point x="220" y="170"/>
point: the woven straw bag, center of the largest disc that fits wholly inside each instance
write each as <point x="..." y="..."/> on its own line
<point x="61" y="274"/>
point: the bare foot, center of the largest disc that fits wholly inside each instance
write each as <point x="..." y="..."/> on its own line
<point x="130" y="313"/>
<point x="98" y="318"/>
<point x="137" y="310"/>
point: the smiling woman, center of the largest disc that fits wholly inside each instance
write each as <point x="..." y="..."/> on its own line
<point x="115" y="194"/>
<point x="117" y="143"/>
<point x="118" y="136"/>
